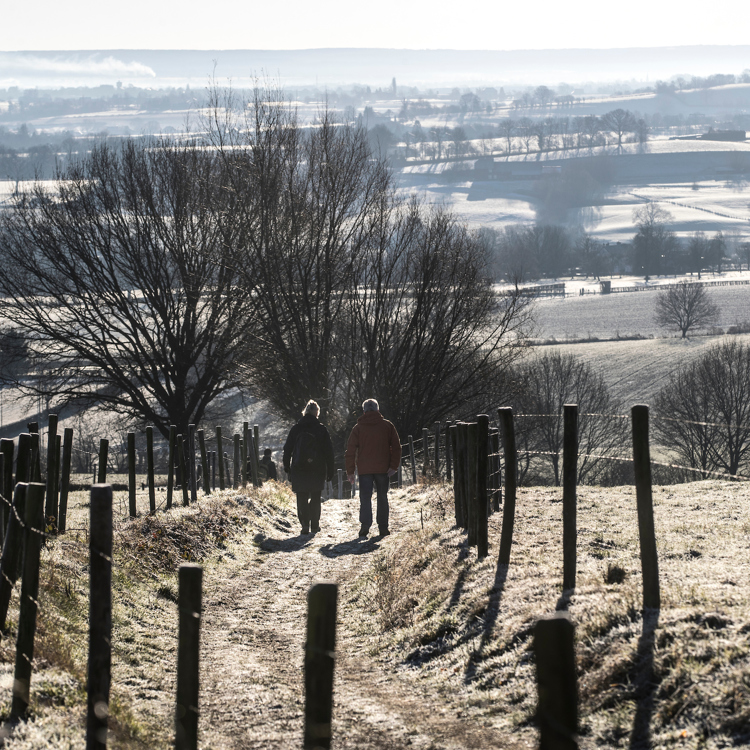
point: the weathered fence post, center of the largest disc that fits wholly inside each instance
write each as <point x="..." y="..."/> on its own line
<point x="23" y="462"/>
<point x="256" y="455"/>
<point x="644" y="499"/>
<point x="425" y="452"/>
<point x="12" y="550"/>
<point x="58" y="463"/>
<point x="570" y="501"/>
<point x="190" y="603"/>
<point x="132" y="508"/>
<point x="50" y="508"/>
<point x="220" y="451"/>
<point x="413" y="460"/>
<point x="171" y="462"/>
<point x="505" y="415"/>
<point x="7" y="447"/>
<point x="460" y="478"/>
<point x="150" y="470"/>
<point x="471" y="483"/>
<point x="32" y="545"/>
<point x="3" y="501"/>
<point x="341" y="483"/>
<point x="184" y="480"/>
<point x="449" y="448"/>
<point x="557" y="711"/>
<point x="67" y="457"/>
<point x="237" y="461"/>
<point x="226" y="466"/>
<point x="204" y="462"/>
<point x="497" y="493"/>
<point x="100" y="616"/>
<point x="36" y="466"/>
<point x="103" y="454"/>
<point x="437" y="450"/>
<point x="191" y="464"/>
<point x="400" y="476"/>
<point x="245" y="451"/>
<point x="213" y="470"/>
<point x="482" y="433"/>
<point x="320" y="650"/>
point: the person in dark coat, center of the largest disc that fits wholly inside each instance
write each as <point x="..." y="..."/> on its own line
<point x="308" y="459"/>
<point x="268" y="464"/>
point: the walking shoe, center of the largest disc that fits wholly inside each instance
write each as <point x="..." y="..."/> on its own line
<point x="384" y="532"/>
<point x="305" y="529"/>
<point x="364" y="530"/>
<point x="315" y="529"/>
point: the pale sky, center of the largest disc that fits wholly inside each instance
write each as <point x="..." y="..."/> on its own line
<point x="412" y="24"/>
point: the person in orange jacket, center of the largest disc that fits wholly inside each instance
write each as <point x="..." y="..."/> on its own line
<point x="375" y="450"/>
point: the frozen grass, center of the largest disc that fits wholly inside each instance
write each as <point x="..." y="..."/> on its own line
<point x="682" y="680"/>
<point x="147" y="552"/>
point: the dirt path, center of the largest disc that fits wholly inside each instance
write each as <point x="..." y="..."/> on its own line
<point x="253" y="634"/>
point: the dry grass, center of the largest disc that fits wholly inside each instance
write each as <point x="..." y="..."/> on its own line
<point x="682" y="680"/>
<point x="147" y="553"/>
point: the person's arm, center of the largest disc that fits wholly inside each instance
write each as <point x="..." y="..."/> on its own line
<point x="350" y="455"/>
<point x="329" y="456"/>
<point x="288" y="447"/>
<point x="395" y="450"/>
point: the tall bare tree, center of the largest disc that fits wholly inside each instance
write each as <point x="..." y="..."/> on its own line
<point x="119" y="279"/>
<point x="685" y="306"/>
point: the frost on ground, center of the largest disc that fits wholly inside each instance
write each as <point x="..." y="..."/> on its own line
<point x="434" y="648"/>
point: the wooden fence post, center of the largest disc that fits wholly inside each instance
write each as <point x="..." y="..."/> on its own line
<point x="170" y="468"/>
<point x="341" y="483"/>
<point x="459" y="470"/>
<point x="23" y="462"/>
<point x="237" y="461"/>
<point x="570" y="501"/>
<point x="557" y="711"/>
<point x="646" y="532"/>
<point x="226" y="466"/>
<point x="320" y="650"/>
<point x="150" y="470"/>
<point x="505" y="415"/>
<point x="188" y="651"/>
<point x="3" y="514"/>
<point x="191" y="464"/>
<point x="204" y="462"/>
<point x="256" y="455"/>
<point x="220" y="451"/>
<point x="425" y="452"/>
<point x="482" y="433"/>
<point x="184" y="479"/>
<point x="12" y="551"/>
<point x="497" y="493"/>
<point x="100" y="616"/>
<point x="132" y="508"/>
<point x="32" y="545"/>
<point x="36" y="466"/>
<point x="58" y="463"/>
<point x="7" y="447"/>
<point x="67" y="457"/>
<point x="471" y="483"/>
<point x="413" y="460"/>
<point x="245" y="451"/>
<point x="50" y="508"/>
<point x="103" y="454"/>
<point x="213" y="470"/>
<point x="449" y="448"/>
<point x="437" y="450"/>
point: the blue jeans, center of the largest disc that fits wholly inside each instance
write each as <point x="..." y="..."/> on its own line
<point x="366" y="483"/>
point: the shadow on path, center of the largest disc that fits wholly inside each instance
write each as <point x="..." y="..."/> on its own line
<point x="491" y="615"/>
<point x="645" y="685"/>
<point x="290" y="544"/>
<point x="357" y="546"/>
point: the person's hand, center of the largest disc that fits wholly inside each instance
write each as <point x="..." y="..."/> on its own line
<point x="350" y="477"/>
<point x="391" y="472"/>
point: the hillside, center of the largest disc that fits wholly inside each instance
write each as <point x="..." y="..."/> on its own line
<point x="434" y="649"/>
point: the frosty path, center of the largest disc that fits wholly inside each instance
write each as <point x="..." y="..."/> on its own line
<point x="253" y="635"/>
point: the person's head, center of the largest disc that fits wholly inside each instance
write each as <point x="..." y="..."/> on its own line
<point x="267" y="453"/>
<point x="370" y="404"/>
<point x="311" y="408"/>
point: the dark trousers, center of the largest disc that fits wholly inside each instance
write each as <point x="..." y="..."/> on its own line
<point x="308" y="508"/>
<point x="366" y="484"/>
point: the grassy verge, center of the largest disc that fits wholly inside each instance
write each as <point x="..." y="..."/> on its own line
<point x="147" y="553"/>
<point x="682" y="680"/>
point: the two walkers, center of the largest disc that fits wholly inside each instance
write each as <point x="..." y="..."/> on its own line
<point x="373" y="449"/>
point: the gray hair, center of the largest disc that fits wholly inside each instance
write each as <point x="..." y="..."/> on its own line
<point x="311" y="407"/>
<point x="370" y="404"/>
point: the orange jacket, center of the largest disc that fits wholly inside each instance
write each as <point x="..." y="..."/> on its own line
<point x="373" y="445"/>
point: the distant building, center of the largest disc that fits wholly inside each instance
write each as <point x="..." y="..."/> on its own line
<point x="724" y="135"/>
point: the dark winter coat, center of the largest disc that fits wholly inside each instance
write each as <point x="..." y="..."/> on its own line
<point x="309" y="480"/>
